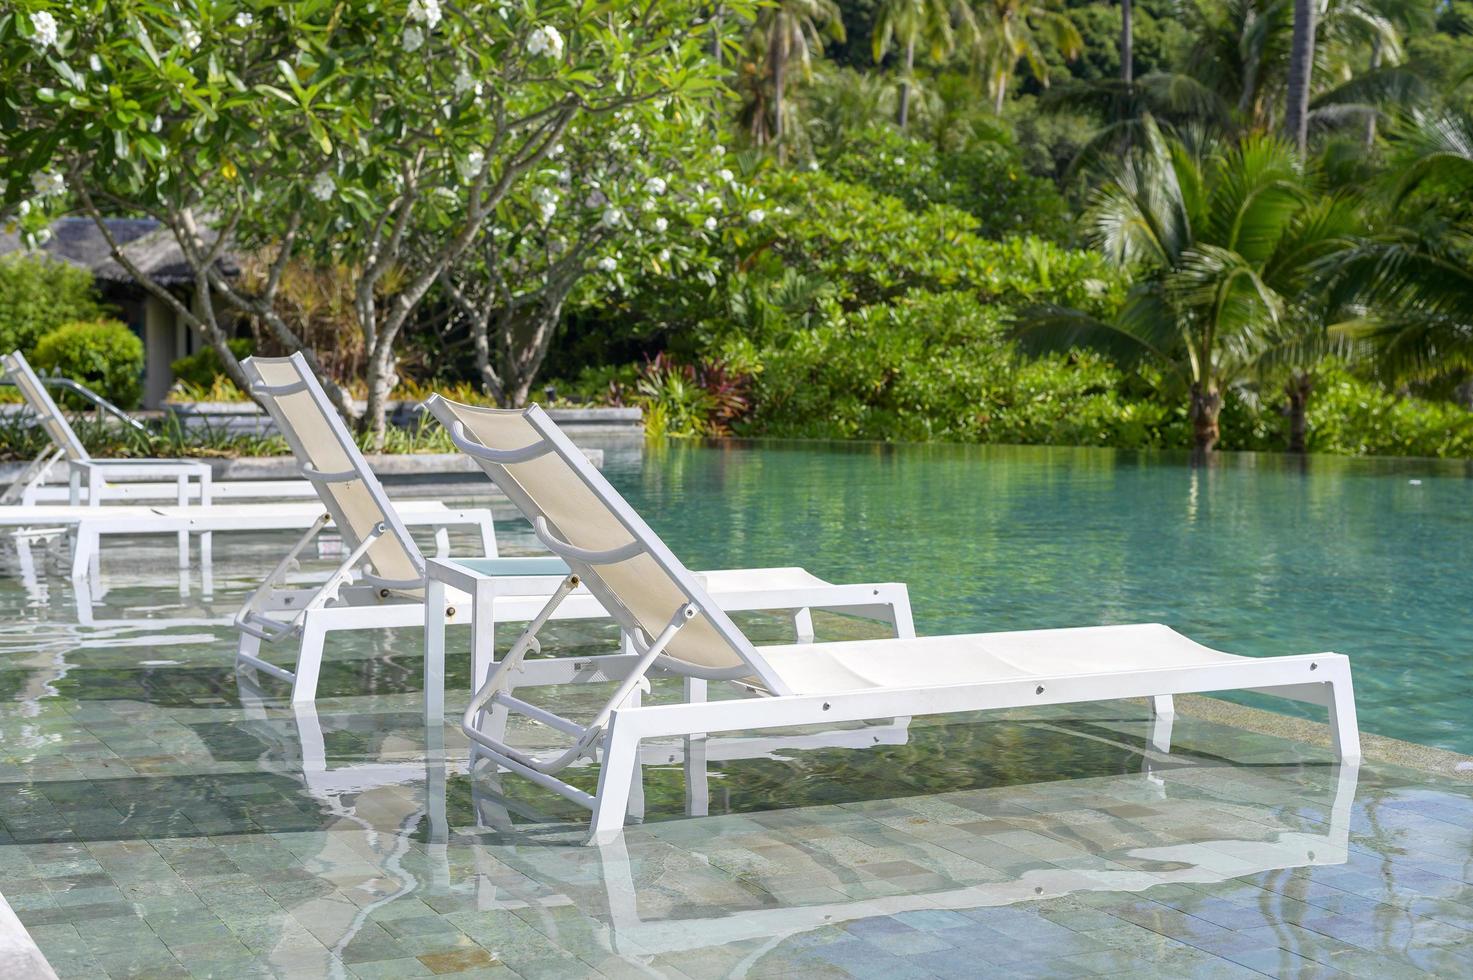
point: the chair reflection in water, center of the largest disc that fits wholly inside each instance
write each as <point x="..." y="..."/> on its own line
<point x="1196" y="834"/>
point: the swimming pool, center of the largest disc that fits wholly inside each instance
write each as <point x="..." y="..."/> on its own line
<point x="1253" y="554"/>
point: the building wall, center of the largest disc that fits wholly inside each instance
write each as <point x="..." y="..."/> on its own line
<point x="163" y="340"/>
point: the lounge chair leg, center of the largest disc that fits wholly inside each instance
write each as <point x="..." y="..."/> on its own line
<point x="695" y="693"/>
<point x="1163" y="713"/>
<point x="900" y="615"/>
<point x="1343" y="727"/>
<point x="309" y="658"/>
<point x="803" y="625"/>
<point x="697" y="781"/>
<point x="434" y="679"/>
<point x="615" y="778"/>
<point x="635" y="809"/>
<point x="247" y="645"/>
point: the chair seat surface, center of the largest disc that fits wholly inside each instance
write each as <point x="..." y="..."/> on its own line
<point x="976" y="658"/>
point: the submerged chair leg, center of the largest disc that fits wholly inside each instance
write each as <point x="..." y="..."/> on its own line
<point x="1344" y="731"/>
<point x="803" y="625"/>
<point x="615" y="778"/>
<point x="309" y="657"/>
<point x="1163" y="714"/>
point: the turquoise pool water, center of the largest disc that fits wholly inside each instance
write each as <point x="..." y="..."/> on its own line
<point x="1254" y="554"/>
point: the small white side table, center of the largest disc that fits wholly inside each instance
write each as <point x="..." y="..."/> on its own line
<point x="524" y="584"/>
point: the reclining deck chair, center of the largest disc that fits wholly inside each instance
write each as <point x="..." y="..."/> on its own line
<point x="391" y="589"/>
<point x="93" y="481"/>
<point x="677" y="628"/>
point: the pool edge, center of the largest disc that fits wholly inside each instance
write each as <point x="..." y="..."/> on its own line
<point x="20" y="957"/>
<point x="1374" y="748"/>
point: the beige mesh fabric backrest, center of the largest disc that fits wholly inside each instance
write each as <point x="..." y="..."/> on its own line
<point x="48" y="413"/>
<point x="547" y="477"/>
<point x="328" y="456"/>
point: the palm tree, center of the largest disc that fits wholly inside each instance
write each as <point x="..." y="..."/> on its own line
<point x="1127" y="43"/>
<point x="1245" y="52"/>
<point x="1223" y="239"/>
<point x="1009" y="31"/>
<point x="1301" y="68"/>
<point x="787" y="33"/>
<point x="909" y="22"/>
<point x="1414" y="279"/>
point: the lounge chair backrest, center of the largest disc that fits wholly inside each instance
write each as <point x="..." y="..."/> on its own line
<point x="48" y="413"/>
<point x="330" y="459"/>
<point x="585" y="520"/>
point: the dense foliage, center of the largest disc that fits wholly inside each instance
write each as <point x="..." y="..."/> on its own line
<point x="1000" y="220"/>
<point x="38" y="295"/>
<point x="104" y="355"/>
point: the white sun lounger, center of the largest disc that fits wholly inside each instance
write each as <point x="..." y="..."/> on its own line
<point x="678" y="628"/>
<point x="392" y="570"/>
<point x="94" y="481"/>
<point x="89" y="526"/>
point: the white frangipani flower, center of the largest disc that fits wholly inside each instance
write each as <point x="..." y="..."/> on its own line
<point x="655" y="185"/>
<point x="413" y="38"/>
<point x="48" y="184"/>
<point x="465" y="83"/>
<point x="661" y="224"/>
<point x="43" y="29"/>
<point x="545" y="40"/>
<point x="546" y="200"/>
<point x="756" y="216"/>
<point x="608" y="263"/>
<point x="612" y="217"/>
<point x="323" y="187"/>
<point x="244" y="19"/>
<point x="472" y="164"/>
<point x="426" y="12"/>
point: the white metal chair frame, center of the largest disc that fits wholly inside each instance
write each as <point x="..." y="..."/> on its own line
<point x="354" y="596"/>
<point x="90" y="480"/>
<point x="617" y="729"/>
<point x="273" y="613"/>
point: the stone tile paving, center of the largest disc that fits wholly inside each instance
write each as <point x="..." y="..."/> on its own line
<point x="160" y="818"/>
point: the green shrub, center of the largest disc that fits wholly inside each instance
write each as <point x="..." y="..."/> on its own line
<point x="938" y="366"/>
<point x="1351" y="416"/>
<point x="987" y="180"/>
<point x="39" y="294"/>
<point x="200" y="369"/>
<point x="104" y="355"/>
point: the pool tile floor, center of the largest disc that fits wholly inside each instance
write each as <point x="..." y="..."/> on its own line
<point x="161" y="816"/>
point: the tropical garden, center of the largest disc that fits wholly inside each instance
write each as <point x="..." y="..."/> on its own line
<point x="1206" y="224"/>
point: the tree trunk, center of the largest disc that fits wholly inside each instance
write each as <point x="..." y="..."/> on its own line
<point x="1206" y="406"/>
<point x="1002" y="93"/>
<point x="910" y="60"/>
<point x="1127" y="43"/>
<point x="1370" y="137"/>
<point x="1297" y="388"/>
<point x="381" y="377"/>
<point x="779" y="69"/>
<point x="1301" y="68"/>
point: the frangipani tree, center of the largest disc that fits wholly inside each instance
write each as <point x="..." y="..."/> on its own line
<point x="380" y="134"/>
<point x="646" y="189"/>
